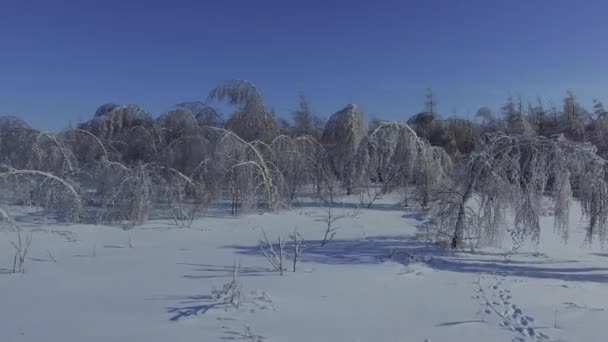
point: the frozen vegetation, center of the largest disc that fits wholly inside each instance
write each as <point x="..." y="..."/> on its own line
<point x="378" y="279"/>
<point x="192" y="226"/>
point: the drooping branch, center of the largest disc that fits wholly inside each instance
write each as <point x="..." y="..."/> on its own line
<point x="515" y="172"/>
<point x="394" y="156"/>
<point x="8" y="173"/>
<point x="247" y="153"/>
<point x="341" y="137"/>
<point x="239" y="93"/>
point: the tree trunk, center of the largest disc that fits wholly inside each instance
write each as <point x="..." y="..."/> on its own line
<point x="459" y="229"/>
<point x="458" y="235"/>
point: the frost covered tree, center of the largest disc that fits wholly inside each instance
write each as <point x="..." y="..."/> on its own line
<point x="117" y="193"/>
<point x="510" y="173"/>
<point x="541" y="119"/>
<point x="430" y="126"/>
<point x="396" y="157"/>
<point x="110" y="120"/>
<point x="205" y="115"/>
<point x="573" y="118"/>
<point x="248" y="171"/>
<point x="515" y="120"/>
<point x="462" y="133"/>
<point x="86" y="147"/>
<point x="37" y="168"/>
<point x="251" y="121"/>
<point x="597" y="129"/>
<point x="300" y="160"/>
<point x="9" y="123"/>
<point x="341" y="137"/>
<point x="126" y="131"/>
<point x="176" y="123"/>
<point x="30" y="149"/>
<point x="305" y="122"/>
<point x="123" y="165"/>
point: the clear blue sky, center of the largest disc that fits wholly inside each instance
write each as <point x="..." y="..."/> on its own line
<point x="60" y="60"/>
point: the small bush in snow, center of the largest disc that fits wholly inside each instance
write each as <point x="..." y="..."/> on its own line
<point x="330" y="218"/>
<point x="297" y="245"/>
<point x="21" y="248"/>
<point x="231" y="291"/>
<point x="275" y="254"/>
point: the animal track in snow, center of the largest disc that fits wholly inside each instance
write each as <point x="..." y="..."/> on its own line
<point x="499" y="301"/>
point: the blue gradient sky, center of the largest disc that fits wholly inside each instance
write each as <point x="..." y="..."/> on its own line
<point x="60" y="60"/>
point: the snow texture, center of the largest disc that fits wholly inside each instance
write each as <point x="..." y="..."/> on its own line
<point x="377" y="280"/>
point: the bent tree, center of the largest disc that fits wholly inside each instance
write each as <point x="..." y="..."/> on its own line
<point x="514" y="172"/>
<point x="341" y="137"/>
<point x="395" y="156"/>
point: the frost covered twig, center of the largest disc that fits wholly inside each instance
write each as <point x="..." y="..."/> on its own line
<point x="297" y="244"/>
<point x="231" y="291"/>
<point x="21" y="248"/>
<point x="275" y="254"/>
<point x="7" y="220"/>
<point x="330" y="218"/>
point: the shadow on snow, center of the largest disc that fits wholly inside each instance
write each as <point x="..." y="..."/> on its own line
<point x="208" y="271"/>
<point x="377" y="249"/>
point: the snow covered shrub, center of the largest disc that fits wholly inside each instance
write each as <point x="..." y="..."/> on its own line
<point x="230" y="293"/>
<point x="85" y="146"/>
<point x="512" y="172"/>
<point x="298" y="161"/>
<point x="33" y="187"/>
<point x="329" y="218"/>
<point x="30" y="149"/>
<point x="122" y="193"/>
<point x="187" y="153"/>
<point x="248" y="167"/>
<point x="137" y="195"/>
<point x="130" y="194"/>
<point x="177" y="188"/>
<point x="21" y="248"/>
<point x="274" y="253"/>
<point x="341" y="137"/>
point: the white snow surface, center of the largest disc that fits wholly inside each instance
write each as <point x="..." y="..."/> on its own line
<point x="101" y="289"/>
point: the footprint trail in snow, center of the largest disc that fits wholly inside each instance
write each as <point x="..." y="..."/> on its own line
<point x="498" y="300"/>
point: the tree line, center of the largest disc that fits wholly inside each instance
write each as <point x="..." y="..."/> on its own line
<point x="124" y="165"/>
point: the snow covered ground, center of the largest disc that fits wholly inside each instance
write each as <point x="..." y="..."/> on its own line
<point x="376" y="281"/>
